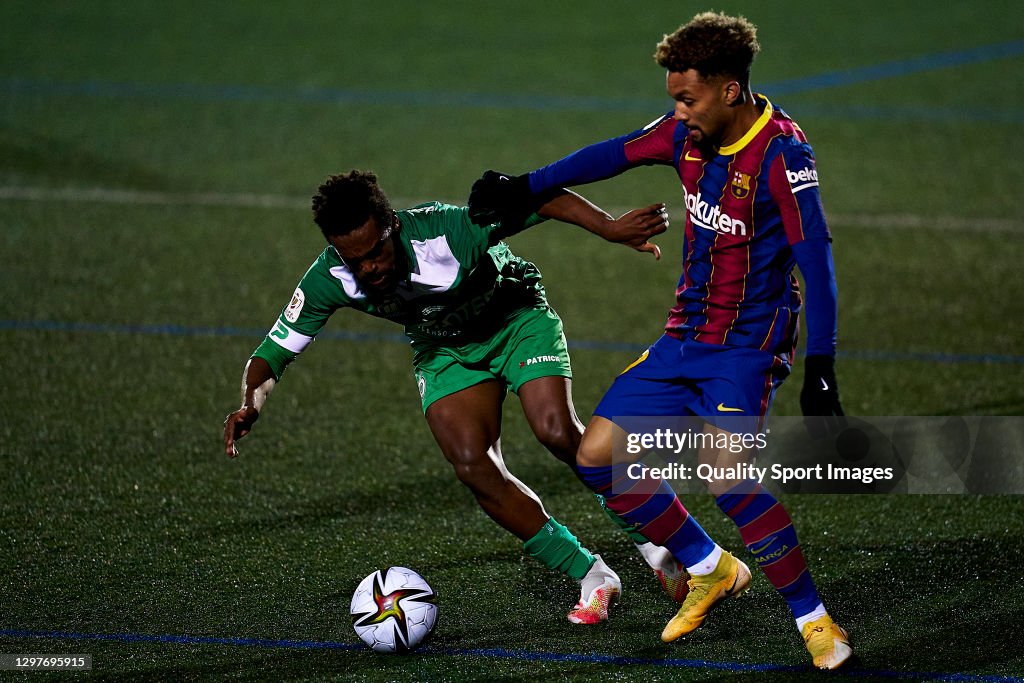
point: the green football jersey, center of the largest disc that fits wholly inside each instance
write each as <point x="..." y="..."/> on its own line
<point x="460" y="284"/>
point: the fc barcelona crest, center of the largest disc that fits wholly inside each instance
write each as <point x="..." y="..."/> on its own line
<point x="740" y="185"/>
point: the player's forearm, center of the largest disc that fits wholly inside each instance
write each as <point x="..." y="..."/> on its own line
<point x="257" y="383"/>
<point x="814" y="258"/>
<point x="570" y="207"/>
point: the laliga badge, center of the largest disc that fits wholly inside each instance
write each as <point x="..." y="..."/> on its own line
<point x="291" y="314"/>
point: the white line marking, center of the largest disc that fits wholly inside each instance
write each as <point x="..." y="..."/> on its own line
<point x="277" y="201"/>
<point x="917" y="221"/>
<point x="111" y="196"/>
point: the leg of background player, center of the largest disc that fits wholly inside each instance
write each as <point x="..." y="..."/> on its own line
<point x="467" y="427"/>
<point x="547" y="404"/>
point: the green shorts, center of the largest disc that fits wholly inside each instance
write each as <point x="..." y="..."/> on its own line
<point x="529" y="346"/>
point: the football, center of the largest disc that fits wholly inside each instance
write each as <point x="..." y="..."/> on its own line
<point x="393" y="610"/>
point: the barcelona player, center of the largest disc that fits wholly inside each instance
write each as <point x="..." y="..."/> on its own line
<point x="753" y="213"/>
<point x="479" y="324"/>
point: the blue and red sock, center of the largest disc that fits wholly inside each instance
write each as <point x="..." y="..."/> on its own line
<point x="652" y="508"/>
<point x="768" y="533"/>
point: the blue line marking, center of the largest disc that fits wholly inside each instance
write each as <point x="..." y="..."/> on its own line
<point x="872" y="112"/>
<point x="342" y="96"/>
<point x="504" y="653"/>
<point x="182" y="640"/>
<point x="559" y="103"/>
<point x="904" y="67"/>
<point x="593" y="658"/>
<point x="398" y="338"/>
<point x="933" y="357"/>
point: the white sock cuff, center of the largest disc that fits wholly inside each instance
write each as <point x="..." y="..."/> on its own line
<point x="598" y="573"/>
<point x="655" y="556"/>
<point x="708" y="564"/>
<point x="816" y="613"/>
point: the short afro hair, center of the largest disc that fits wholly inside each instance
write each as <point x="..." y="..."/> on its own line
<point x="347" y="200"/>
<point x="713" y="44"/>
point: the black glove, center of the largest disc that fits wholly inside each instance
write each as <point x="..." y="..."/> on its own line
<point x="500" y="198"/>
<point x="819" y="399"/>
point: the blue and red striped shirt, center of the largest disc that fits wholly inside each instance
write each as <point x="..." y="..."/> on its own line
<point x="753" y="212"/>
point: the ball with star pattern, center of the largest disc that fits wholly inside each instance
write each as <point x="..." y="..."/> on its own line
<point x="393" y="610"/>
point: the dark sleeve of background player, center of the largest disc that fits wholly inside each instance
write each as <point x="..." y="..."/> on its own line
<point x="651" y="144"/>
<point x="794" y="186"/>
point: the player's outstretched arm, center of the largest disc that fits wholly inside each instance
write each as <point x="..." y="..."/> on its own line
<point x="257" y="383"/>
<point x="634" y="228"/>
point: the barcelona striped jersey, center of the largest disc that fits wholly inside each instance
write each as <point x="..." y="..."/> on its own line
<point x="747" y="206"/>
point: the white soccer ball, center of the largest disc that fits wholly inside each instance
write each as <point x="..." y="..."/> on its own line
<point x="393" y="610"/>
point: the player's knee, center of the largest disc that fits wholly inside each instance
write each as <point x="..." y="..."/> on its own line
<point x="592" y="454"/>
<point x="561" y="437"/>
<point x="474" y="469"/>
<point x="595" y="448"/>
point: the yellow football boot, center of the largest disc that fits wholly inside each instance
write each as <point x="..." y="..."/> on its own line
<point x="828" y="642"/>
<point x="729" y="578"/>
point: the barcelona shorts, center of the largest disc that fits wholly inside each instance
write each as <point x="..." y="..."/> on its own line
<point x="528" y="346"/>
<point x="685" y="378"/>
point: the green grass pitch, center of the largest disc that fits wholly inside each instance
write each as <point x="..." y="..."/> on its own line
<point x="154" y="165"/>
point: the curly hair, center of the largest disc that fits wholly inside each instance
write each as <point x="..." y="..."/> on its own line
<point x="713" y="44"/>
<point x="347" y="200"/>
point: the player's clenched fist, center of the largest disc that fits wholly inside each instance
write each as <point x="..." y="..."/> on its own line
<point x="819" y="398"/>
<point x="237" y="425"/>
<point x="634" y="228"/>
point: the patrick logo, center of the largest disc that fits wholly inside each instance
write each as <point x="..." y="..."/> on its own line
<point x="740" y="185"/>
<point x="539" y="359"/>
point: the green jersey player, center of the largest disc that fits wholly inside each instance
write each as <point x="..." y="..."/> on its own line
<point x="479" y="325"/>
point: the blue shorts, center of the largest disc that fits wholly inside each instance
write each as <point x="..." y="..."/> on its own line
<point x="684" y="378"/>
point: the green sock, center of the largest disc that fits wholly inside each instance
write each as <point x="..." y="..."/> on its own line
<point x="556" y="548"/>
<point x="628" y="528"/>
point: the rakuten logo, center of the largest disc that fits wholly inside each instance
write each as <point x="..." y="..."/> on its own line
<point x="710" y="216"/>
